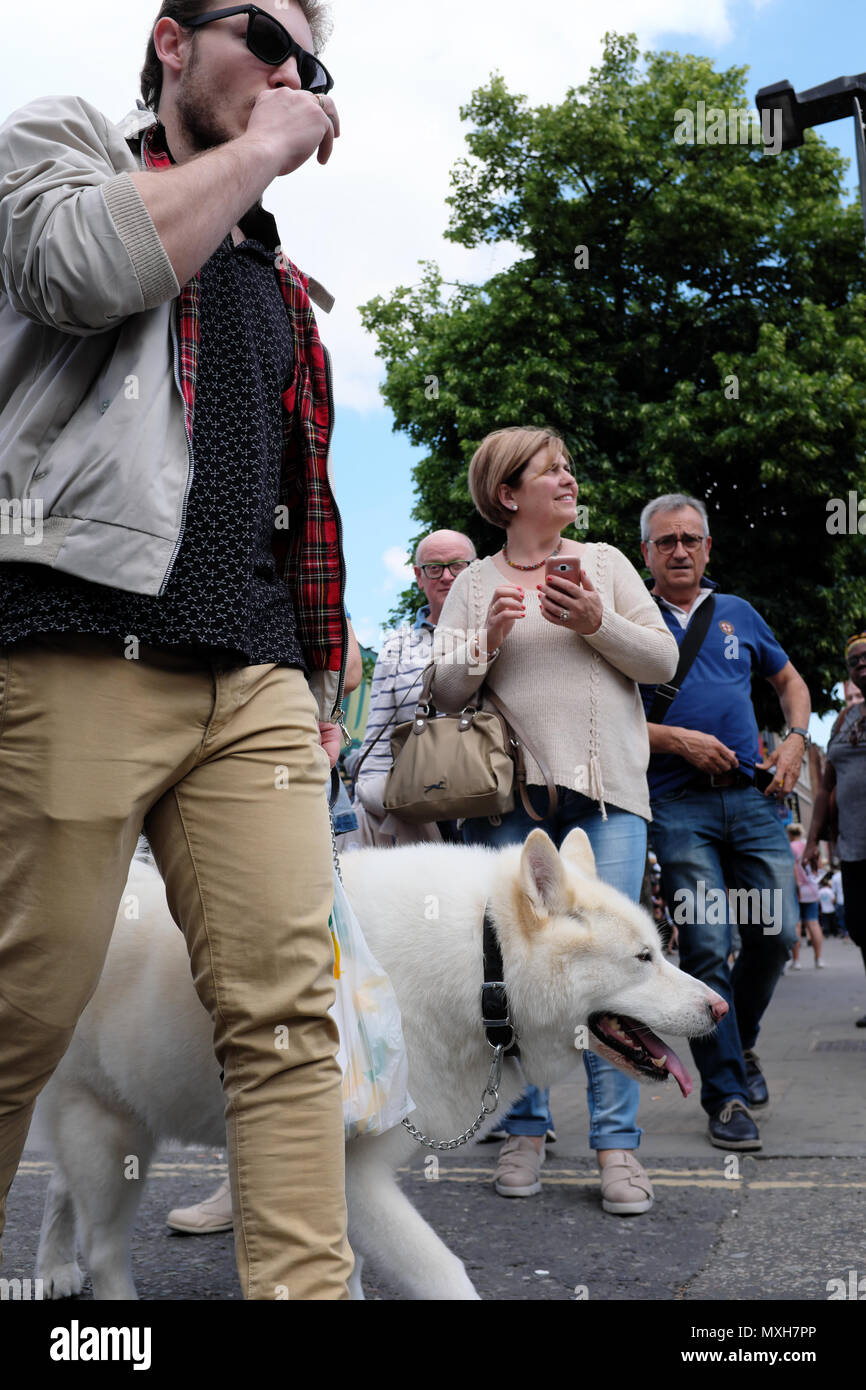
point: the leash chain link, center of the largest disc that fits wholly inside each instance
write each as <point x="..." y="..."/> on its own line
<point x="334" y="846"/>
<point x="491" y="1089"/>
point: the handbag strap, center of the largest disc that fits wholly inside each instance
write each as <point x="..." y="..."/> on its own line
<point x="520" y="741"/>
<point x="689" y="648"/>
<point x="385" y="727"/>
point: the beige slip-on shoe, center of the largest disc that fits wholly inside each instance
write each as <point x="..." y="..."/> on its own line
<point x="625" y="1186"/>
<point x="518" y="1170"/>
<point x="213" y="1214"/>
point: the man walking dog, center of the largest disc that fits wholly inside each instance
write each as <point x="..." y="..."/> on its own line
<point x="165" y="411"/>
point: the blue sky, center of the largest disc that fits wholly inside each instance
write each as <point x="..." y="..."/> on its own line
<point x="805" y="43"/>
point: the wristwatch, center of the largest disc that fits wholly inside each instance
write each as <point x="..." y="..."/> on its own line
<point x="804" y="734"/>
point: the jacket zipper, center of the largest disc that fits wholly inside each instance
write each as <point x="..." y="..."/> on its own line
<point x="338" y="715"/>
<point x="175" y="312"/>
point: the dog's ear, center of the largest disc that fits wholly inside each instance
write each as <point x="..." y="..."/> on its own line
<point x="541" y="874"/>
<point x="578" y="851"/>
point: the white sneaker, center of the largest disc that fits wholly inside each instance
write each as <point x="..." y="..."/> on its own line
<point x="796" y="965"/>
<point x="819" y="963"/>
<point x="213" y="1214"/>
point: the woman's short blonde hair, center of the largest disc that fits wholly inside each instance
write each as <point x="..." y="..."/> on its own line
<point x="501" y="458"/>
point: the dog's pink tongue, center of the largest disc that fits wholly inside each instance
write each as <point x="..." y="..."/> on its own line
<point x="656" y="1048"/>
<point x="678" y="1072"/>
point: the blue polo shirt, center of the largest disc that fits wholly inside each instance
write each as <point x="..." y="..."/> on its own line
<point x="716" y="695"/>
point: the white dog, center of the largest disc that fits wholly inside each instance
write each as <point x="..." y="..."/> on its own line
<point x="141" y="1066"/>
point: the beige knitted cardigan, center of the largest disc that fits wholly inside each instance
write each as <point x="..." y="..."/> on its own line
<point x="576" y="697"/>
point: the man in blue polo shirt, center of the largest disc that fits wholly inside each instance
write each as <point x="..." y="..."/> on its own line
<point x="712" y="830"/>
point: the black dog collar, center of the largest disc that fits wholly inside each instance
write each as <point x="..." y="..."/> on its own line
<point x="494" y="1000"/>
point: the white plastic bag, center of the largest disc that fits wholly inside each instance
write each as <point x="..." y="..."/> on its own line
<point x="372" y="1052"/>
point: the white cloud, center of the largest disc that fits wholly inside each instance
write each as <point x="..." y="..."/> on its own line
<point x="402" y="70"/>
<point x="399" y="571"/>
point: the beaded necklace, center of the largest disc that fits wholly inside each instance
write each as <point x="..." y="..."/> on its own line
<point x="529" y="567"/>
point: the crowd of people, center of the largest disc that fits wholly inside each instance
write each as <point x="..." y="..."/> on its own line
<point x="644" y="745"/>
<point x="173" y="657"/>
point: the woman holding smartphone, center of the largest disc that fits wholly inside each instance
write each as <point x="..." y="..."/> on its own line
<point x="570" y="630"/>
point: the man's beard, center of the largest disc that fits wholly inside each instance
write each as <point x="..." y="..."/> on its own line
<point x="196" y="111"/>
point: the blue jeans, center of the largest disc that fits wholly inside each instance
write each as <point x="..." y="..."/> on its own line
<point x="619" y="846"/>
<point x="709" y="840"/>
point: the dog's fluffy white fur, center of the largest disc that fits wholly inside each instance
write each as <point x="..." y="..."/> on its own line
<point x="141" y="1067"/>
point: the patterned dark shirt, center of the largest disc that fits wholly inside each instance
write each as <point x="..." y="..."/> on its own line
<point x="224" y="593"/>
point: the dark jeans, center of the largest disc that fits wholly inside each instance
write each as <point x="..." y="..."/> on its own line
<point x="708" y="841"/>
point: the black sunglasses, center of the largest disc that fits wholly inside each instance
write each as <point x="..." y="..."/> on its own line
<point x="271" y="43"/>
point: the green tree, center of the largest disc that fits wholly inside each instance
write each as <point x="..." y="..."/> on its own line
<point x="688" y="315"/>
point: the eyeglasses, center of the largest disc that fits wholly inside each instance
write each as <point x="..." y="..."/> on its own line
<point x="268" y="41"/>
<point x="853" y="662"/>
<point x="668" y="544"/>
<point x="454" y="567"/>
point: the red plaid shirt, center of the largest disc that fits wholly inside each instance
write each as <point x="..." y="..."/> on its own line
<point x="310" y="553"/>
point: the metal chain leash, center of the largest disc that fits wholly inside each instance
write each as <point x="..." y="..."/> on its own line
<point x="491" y="1089"/>
<point x="337" y="869"/>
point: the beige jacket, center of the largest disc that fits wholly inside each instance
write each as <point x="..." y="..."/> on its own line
<point x="92" y="423"/>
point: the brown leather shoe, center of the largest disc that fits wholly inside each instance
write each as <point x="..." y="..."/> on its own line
<point x="625" y="1186"/>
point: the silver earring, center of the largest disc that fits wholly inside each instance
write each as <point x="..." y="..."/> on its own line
<point x="514" y="506"/>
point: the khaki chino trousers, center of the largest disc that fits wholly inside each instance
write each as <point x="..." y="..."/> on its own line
<point x="224" y="770"/>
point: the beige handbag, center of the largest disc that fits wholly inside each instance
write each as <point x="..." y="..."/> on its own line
<point x="454" y="766"/>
